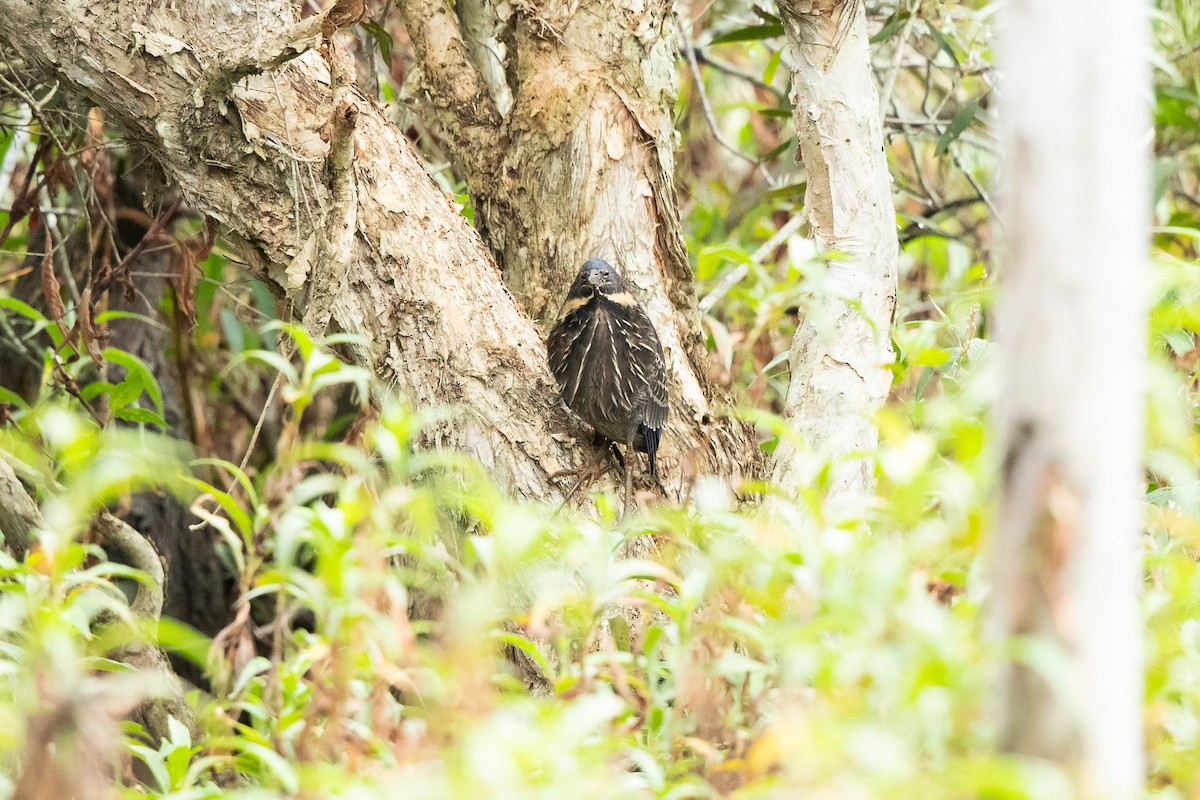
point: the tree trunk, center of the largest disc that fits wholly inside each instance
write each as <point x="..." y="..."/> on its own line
<point x="390" y="257"/>
<point x="560" y="116"/>
<point x="1065" y="562"/>
<point x="842" y="349"/>
<point x="333" y="208"/>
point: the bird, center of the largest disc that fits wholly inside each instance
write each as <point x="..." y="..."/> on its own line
<point x="607" y="359"/>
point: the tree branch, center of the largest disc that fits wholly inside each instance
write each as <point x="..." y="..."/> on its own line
<point x="454" y="87"/>
<point x="483" y="29"/>
<point x="19" y="515"/>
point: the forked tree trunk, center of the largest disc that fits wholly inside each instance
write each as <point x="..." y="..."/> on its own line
<point x="842" y="349"/>
<point x="560" y="116"/>
<point x="1071" y="324"/>
<point x="348" y="227"/>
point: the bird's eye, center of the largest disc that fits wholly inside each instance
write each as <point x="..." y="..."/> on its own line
<point x="605" y="273"/>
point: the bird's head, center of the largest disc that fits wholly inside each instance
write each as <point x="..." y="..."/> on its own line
<point x="597" y="276"/>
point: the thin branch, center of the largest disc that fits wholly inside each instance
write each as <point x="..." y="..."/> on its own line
<point x="978" y="187"/>
<point x="708" y="112"/>
<point x="889" y="84"/>
<point x="702" y="57"/>
<point x="735" y="275"/>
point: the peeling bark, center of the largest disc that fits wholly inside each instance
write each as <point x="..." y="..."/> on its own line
<point x="1071" y="323"/>
<point x="420" y="289"/>
<point x="842" y="349"/>
<point x="581" y="166"/>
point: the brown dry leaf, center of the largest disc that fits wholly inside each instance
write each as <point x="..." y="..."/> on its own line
<point x="51" y="288"/>
<point x="90" y="332"/>
<point x="98" y="166"/>
<point x="342" y="14"/>
<point x="186" y="271"/>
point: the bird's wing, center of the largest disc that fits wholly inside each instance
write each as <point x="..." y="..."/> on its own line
<point x="569" y="346"/>
<point x="644" y="356"/>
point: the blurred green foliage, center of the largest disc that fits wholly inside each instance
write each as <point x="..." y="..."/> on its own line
<point x="403" y="627"/>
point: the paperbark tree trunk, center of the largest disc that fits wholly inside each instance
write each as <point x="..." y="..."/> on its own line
<point x="841" y="351"/>
<point x="560" y="116"/>
<point x="1071" y="323"/>
<point x="348" y="227"/>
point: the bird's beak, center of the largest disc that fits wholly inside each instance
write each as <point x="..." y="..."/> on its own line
<point x="595" y="278"/>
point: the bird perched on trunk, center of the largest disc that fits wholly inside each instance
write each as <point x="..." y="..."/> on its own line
<point x="609" y="364"/>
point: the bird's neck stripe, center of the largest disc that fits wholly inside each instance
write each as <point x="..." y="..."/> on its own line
<point x="621" y="299"/>
<point x="574" y="304"/>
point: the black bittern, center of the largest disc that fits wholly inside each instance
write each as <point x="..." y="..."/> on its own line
<point x="609" y="364"/>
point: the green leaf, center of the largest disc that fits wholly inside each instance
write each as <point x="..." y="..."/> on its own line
<point x="777" y="113"/>
<point x="154" y="762"/>
<point x="111" y="315"/>
<point x="233" y="469"/>
<point x="274" y="763"/>
<point x="24" y="309"/>
<point x="962" y="120"/>
<point x="793" y="191"/>
<point x="772" y="66"/>
<point x="142" y="416"/>
<point x="235" y="336"/>
<point x="778" y="151"/>
<point x="135" y="366"/>
<point x="530" y="649"/>
<point x="382" y="38"/>
<point x="273" y="359"/>
<point x="1180" y="341"/>
<point x="230" y="506"/>
<point x="125" y="393"/>
<point x="751" y="33"/>
<point x="942" y="42"/>
<point x="12" y="398"/>
<point x="95" y="388"/>
<point x="891" y="27"/>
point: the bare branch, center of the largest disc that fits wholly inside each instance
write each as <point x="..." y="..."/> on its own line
<point x="698" y="79"/>
<point x="735" y="275"/>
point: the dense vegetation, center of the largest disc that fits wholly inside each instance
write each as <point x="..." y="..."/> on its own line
<point x="402" y="624"/>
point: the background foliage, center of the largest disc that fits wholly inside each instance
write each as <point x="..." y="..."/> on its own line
<point x="383" y="594"/>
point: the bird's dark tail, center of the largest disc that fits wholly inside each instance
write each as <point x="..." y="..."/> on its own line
<point x="646" y="441"/>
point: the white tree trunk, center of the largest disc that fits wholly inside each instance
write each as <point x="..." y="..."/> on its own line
<point x="841" y="351"/>
<point x="1066" y="565"/>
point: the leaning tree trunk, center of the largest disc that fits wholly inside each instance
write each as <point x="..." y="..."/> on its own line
<point x="332" y="206"/>
<point x="1071" y="322"/>
<point x="560" y="116"/>
<point x="841" y="351"/>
